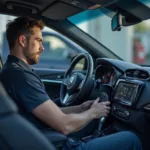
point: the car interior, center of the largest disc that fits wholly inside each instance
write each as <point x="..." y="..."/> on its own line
<point x="126" y="85"/>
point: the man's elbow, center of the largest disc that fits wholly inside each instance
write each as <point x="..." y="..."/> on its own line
<point x="67" y="129"/>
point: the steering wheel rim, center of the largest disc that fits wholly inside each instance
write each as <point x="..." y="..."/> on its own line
<point x="72" y="82"/>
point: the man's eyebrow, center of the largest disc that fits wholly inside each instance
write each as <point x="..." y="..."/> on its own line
<point x="40" y="39"/>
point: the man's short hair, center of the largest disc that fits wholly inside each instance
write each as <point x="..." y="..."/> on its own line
<point x="19" y="26"/>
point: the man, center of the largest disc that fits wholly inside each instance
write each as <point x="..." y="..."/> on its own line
<point x="26" y="89"/>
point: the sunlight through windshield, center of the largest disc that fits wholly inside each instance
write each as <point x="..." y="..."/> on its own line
<point x="131" y="43"/>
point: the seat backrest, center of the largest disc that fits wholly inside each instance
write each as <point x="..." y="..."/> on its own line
<point x="16" y="133"/>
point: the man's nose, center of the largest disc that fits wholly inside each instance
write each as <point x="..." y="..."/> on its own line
<point x="42" y="47"/>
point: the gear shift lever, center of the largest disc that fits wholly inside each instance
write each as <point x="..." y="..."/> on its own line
<point x="103" y="98"/>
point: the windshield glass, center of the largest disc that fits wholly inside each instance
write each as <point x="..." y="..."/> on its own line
<point x="131" y="43"/>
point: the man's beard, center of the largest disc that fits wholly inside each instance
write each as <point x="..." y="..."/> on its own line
<point x="32" y="58"/>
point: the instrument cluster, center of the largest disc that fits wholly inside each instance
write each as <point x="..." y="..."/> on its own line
<point x="107" y="75"/>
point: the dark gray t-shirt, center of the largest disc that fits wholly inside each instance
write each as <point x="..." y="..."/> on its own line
<point x="25" y="87"/>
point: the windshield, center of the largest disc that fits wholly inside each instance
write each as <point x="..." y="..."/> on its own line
<point x="131" y="44"/>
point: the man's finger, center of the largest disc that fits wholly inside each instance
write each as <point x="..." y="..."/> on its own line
<point x="96" y="101"/>
<point x="106" y="103"/>
<point x="90" y="101"/>
<point x="107" y="107"/>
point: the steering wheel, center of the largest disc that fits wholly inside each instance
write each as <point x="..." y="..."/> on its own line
<point x="76" y="85"/>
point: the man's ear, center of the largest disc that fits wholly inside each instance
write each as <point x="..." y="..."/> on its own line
<point x="22" y="40"/>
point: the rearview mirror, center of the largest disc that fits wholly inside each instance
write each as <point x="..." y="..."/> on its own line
<point x="116" y="22"/>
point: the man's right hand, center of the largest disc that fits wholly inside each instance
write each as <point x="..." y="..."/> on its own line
<point x="100" y="109"/>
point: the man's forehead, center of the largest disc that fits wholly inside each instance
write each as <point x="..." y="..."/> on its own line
<point x="36" y="29"/>
<point x="37" y="32"/>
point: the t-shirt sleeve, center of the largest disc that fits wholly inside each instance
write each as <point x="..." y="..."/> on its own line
<point x="31" y="91"/>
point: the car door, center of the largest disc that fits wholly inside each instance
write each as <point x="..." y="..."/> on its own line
<point x="52" y="79"/>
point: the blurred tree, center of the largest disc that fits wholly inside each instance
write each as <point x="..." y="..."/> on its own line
<point x="142" y="27"/>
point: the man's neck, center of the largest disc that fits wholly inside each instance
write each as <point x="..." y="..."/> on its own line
<point x="18" y="55"/>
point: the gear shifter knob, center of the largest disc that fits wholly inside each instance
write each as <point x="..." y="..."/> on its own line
<point x="103" y="97"/>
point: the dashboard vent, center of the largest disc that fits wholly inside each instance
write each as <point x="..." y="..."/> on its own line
<point x="143" y="75"/>
<point x="130" y="73"/>
<point x="140" y="74"/>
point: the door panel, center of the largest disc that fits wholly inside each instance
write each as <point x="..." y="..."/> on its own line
<point x="52" y="79"/>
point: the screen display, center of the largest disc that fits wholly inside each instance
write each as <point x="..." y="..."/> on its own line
<point x="125" y="92"/>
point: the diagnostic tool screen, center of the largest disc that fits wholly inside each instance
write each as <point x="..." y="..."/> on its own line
<point x="125" y="92"/>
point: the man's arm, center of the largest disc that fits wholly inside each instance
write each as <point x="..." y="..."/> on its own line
<point x="71" y="109"/>
<point x="51" y="114"/>
<point x="77" y="109"/>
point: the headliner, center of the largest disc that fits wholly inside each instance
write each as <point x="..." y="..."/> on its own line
<point x="61" y="9"/>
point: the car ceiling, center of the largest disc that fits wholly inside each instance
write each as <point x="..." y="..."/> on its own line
<point x="53" y="9"/>
<point x="61" y="9"/>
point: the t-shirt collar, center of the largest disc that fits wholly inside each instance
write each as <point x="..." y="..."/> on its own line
<point x="20" y="62"/>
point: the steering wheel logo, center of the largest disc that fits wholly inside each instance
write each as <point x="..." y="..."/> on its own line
<point x="71" y="79"/>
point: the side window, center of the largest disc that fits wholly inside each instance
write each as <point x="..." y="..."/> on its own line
<point x="55" y="48"/>
<point x="58" y="51"/>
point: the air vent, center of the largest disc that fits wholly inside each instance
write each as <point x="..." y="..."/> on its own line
<point x="130" y="73"/>
<point x="143" y="75"/>
<point x="140" y="74"/>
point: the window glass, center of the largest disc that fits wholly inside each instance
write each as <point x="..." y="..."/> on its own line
<point x="131" y="43"/>
<point x="58" y="50"/>
<point x="54" y="48"/>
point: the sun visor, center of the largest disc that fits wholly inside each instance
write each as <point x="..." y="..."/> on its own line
<point x="65" y="8"/>
<point x="60" y="11"/>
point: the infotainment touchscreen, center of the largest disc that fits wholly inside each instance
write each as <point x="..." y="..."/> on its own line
<point x="126" y="92"/>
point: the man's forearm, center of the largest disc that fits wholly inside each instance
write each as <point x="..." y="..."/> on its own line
<point x="74" y="122"/>
<point x="71" y="109"/>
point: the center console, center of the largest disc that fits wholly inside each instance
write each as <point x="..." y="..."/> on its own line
<point x="124" y="103"/>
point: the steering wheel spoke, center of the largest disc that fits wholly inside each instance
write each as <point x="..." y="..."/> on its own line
<point x="81" y="84"/>
<point x="68" y="98"/>
<point x="66" y="80"/>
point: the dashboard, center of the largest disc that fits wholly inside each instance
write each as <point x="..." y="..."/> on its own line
<point x="128" y="88"/>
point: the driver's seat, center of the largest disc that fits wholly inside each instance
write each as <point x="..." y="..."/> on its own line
<point x="15" y="132"/>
